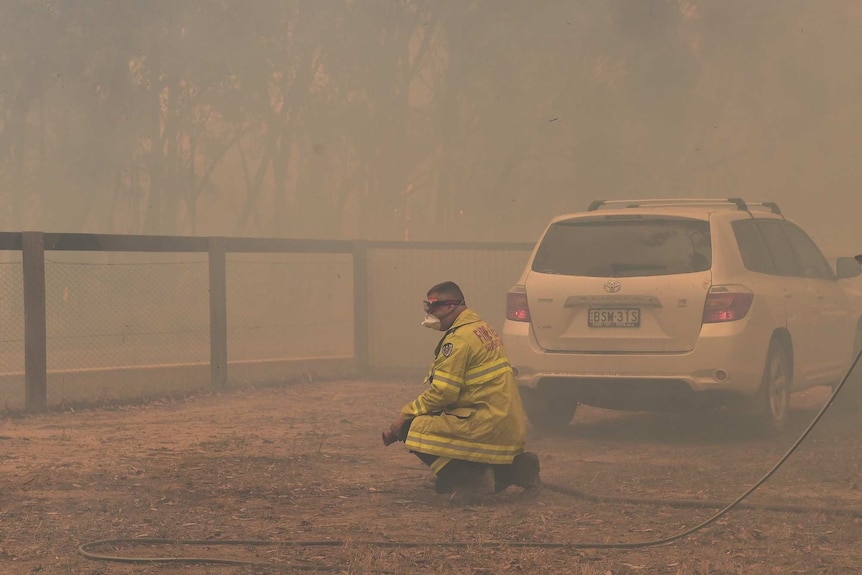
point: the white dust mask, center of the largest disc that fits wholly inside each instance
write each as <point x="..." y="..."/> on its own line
<point x="432" y="322"/>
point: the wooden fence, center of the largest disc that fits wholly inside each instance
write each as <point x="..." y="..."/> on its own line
<point x="387" y="278"/>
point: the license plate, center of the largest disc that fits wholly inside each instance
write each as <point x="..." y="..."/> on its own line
<point x="614" y="317"/>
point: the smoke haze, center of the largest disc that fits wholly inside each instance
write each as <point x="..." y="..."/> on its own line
<point x="404" y="119"/>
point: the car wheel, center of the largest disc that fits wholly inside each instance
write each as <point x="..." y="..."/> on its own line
<point x="546" y="412"/>
<point x="772" y="402"/>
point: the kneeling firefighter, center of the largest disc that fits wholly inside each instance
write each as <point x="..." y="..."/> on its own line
<point x="469" y="425"/>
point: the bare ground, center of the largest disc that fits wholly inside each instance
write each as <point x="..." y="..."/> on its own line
<point x="304" y="463"/>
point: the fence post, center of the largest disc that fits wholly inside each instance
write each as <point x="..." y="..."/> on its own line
<point x="360" y="306"/>
<point x="218" y="313"/>
<point x="35" y="330"/>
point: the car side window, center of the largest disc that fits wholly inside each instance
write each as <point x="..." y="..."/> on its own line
<point x="811" y="260"/>
<point x="752" y="247"/>
<point x="783" y="258"/>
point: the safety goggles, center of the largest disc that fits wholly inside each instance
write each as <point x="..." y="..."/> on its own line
<point x="430" y="305"/>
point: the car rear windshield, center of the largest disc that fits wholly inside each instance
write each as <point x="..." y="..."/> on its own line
<point x="625" y="247"/>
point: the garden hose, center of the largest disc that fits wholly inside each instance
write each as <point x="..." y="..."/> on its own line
<point x="87" y="550"/>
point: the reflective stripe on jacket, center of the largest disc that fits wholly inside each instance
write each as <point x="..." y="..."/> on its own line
<point x="472" y="409"/>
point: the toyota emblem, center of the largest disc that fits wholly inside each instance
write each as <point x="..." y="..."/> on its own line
<point x="612" y="286"/>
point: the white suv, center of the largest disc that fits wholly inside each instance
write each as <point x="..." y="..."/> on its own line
<point x="666" y="304"/>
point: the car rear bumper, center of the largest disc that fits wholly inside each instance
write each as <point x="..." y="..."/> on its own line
<point x="724" y="361"/>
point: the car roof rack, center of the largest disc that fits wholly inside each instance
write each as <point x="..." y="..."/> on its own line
<point x="738" y="203"/>
<point x="773" y="207"/>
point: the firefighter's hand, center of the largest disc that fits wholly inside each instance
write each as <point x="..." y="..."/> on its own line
<point x="388" y="438"/>
<point x="394" y="433"/>
<point x="397" y="426"/>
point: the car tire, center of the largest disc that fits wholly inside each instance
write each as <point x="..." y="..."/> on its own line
<point x="547" y="412"/>
<point x="772" y="402"/>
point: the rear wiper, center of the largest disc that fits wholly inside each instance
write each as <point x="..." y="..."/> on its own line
<point x="626" y="270"/>
<point x="636" y="267"/>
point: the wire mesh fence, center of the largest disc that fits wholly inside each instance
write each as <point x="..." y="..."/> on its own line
<point x="126" y="323"/>
<point x="11" y="315"/>
<point x="289" y="305"/>
<point x="118" y="310"/>
<point x="109" y="315"/>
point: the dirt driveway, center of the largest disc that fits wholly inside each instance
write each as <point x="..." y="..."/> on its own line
<point x="305" y="463"/>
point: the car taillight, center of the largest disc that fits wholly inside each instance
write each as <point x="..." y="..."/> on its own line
<point x="726" y="303"/>
<point x="516" y="306"/>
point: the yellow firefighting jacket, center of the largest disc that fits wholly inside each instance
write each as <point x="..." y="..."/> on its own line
<point x="472" y="409"/>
